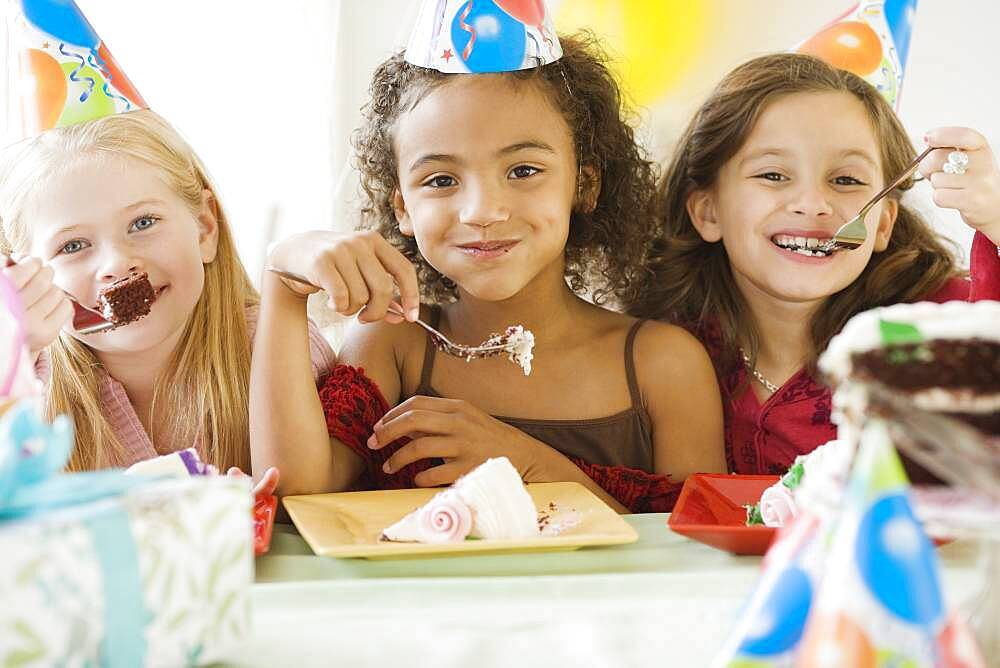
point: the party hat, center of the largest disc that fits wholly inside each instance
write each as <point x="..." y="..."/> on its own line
<point x="462" y="36"/>
<point x="871" y="40"/>
<point x="880" y="601"/>
<point x="66" y="74"/>
<point x="770" y="626"/>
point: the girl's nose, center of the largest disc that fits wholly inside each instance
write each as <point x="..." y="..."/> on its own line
<point x="483" y="206"/>
<point x="810" y="201"/>
<point x="117" y="264"/>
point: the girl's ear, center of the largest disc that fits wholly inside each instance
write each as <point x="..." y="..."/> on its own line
<point x="588" y="189"/>
<point x="886" y="221"/>
<point x="402" y="216"/>
<point x="701" y="209"/>
<point x="208" y="226"/>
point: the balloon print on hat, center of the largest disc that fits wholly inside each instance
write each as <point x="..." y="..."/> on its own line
<point x="67" y="75"/>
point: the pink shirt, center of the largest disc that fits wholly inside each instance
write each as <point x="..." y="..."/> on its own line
<point x="121" y="415"/>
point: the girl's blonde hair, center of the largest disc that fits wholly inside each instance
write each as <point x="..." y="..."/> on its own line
<point x="206" y="383"/>
<point x="693" y="283"/>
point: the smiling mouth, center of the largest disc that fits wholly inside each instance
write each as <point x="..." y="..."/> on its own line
<point x="809" y="246"/>
<point x="489" y="247"/>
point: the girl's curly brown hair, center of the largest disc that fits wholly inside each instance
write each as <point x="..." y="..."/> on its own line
<point x="607" y="246"/>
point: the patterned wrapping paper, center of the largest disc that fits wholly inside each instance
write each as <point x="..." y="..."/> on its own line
<point x="157" y="576"/>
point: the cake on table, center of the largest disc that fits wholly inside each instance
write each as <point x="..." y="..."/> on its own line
<point x="489" y="502"/>
<point x="176" y="464"/>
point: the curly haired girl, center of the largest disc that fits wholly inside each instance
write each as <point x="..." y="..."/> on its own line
<point x="514" y="194"/>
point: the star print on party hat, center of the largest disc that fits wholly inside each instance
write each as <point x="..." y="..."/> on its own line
<point x="64" y="72"/>
<point x="462" y="36"/>
<point x="871" y="40"/>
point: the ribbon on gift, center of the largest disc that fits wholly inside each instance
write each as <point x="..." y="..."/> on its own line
<point x="33" y="454"/>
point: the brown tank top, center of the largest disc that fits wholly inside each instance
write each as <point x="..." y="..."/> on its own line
<point x="622" y="439"/>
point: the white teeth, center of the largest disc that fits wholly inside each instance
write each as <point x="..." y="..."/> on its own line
<point x="800" y="242"/>
<point x="812" y="242"/>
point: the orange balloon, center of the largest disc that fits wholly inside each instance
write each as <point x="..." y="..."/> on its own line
<point x="835" y="640"/>
<point x="849" y="45"/>
<point x="44" y="94"/>
<point x="118" y="78"/>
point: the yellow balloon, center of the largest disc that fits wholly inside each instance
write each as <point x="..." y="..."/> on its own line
<point x="655" y="41"/>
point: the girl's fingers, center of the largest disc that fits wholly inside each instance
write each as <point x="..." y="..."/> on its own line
<point x="38" y="287"/>
<point x="430" y="447"/>
<point x="420" y="402"/>
<point x="943" y="181"/>
<point x="405" y="276"/>
<point x="336" y="289"/>
<point x="21" y="273"/>
<point x="966" y="139"/>
<point x="445" y="474"/>
<point x="380" y="288"/>
<point x="950" y="198"/>
<point x="51" y="302"/>
<point x="268" y="482"/>
<point x="357" y="289"/>
<point x="409" y="423"/>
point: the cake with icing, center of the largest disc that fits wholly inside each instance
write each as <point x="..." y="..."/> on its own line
<point x="815" y="482"/>
<point x="127" y="299"/>
<point x="943" y="358"/>
<point x="518" y="344"/>
<point x="489" y="502"/>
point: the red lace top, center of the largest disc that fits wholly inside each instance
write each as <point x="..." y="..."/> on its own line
<point x="765" y="438"/>
<point x="353" y="403"/>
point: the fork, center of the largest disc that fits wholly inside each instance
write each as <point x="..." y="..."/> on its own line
<point x="85" y="320"/>
<point x="441" y="342"/>
<point x="853" y="233"/>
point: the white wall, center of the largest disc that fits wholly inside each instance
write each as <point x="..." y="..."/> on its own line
<point x="268" y="92"/>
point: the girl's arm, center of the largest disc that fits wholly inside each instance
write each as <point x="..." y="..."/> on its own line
<point x="678" y="384"/>
<point x="287" y="424"/>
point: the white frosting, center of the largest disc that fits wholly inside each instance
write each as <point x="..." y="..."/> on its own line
<point x="824" y="478"/>
<point x="500" y="506"/>
<point x="444" y="519"/>
<point x="518" y="343"/>
<point x="961" y="400"/>
<point x="951" y="320"/>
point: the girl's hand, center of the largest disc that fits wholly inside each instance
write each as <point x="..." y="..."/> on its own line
<point x="976" y="193"/>
<point x="453" y="430"/>
<point x="46" y="308"/>
<point x="267" y="484"/>
<point x="358" y="271"/>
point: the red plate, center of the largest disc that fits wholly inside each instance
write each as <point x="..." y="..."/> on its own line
<point x="710" y="510"/>
<point x="264" y="506"/>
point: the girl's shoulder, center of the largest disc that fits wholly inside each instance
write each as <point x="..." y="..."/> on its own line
<point x="385" y="348"/>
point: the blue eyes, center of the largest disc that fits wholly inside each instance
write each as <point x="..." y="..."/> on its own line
<point x="140" y="224"/>
<point x="71" y="247"/>
<point x="143" y="223"/>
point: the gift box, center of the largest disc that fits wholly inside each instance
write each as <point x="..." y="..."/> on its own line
<point x="113" y="570"/>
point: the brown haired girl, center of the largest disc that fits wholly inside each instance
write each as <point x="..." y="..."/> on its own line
<point x="513" y="193"/>
<point x="783" y="152"/>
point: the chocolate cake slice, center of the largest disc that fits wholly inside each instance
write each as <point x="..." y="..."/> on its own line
<point x="127" y="299"/>
<point x="943" y="358"/>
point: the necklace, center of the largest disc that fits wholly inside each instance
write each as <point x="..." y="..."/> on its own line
<point x="758" y="376"/>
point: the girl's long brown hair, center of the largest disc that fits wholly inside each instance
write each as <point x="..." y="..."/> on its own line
<point x="607" y="245"/>
<point x="206" y="384"/>
<point x="693" y="283"/>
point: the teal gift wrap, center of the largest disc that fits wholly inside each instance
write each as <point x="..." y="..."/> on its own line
<point x="103" y="569"/>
